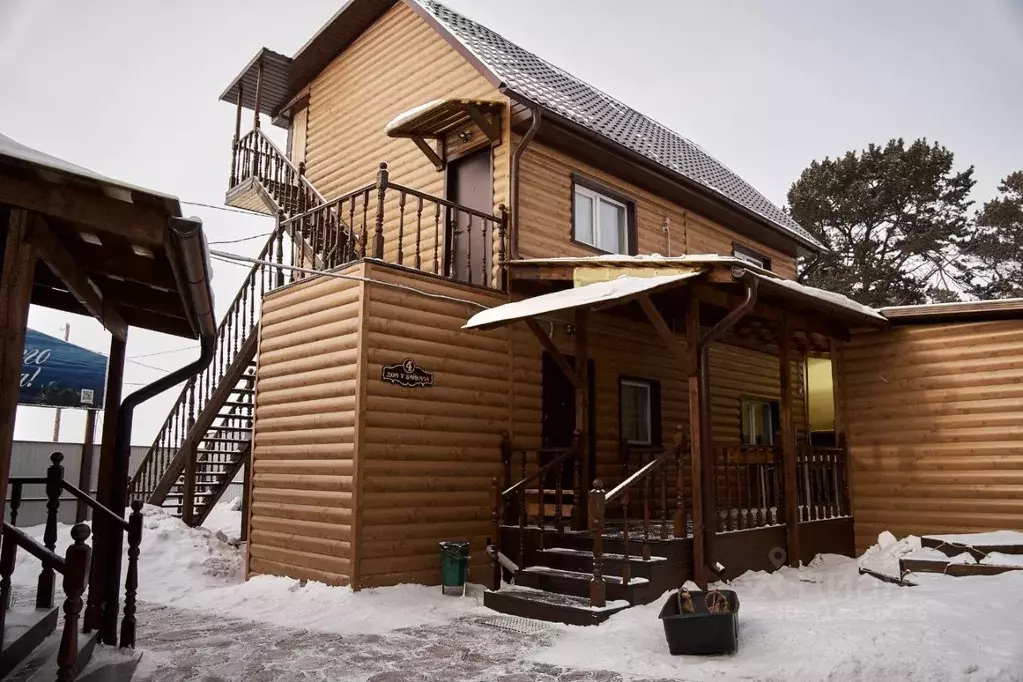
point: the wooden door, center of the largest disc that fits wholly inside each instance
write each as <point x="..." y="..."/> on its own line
<point x="470" y="238"/>
<point x="557" y="420"/>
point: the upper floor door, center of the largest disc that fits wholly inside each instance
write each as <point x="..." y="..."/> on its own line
<point x="471" y="239"/>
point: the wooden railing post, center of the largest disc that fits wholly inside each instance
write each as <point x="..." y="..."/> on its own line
<point x="131" y="580"/>
<point x="506" y="461"/>
<point x="8" y="558"/>
<point x="495" y="541"/>
<point x="502" y="232"/>
<point x="15" y="502"/>
<point x="76" y="568"/>
<point x="237" y="136"/>
<point x="598" y="589"/>
<point x="188" y="495"/>
<point x="378" y="231"/>
<point x="578" y="510"/>
<point x="54" y="487"/>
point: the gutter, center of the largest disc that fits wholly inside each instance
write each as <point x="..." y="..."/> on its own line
<point x="190" y="247"/>
<point x="534" y="126"/>
<point x="707" y="476"/>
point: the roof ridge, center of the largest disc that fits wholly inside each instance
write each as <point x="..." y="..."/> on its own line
<point x="662" y="145"/>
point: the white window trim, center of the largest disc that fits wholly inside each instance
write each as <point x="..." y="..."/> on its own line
<point x="597" y="197"/>
<point x="741" y="254"/>
<point x="648" y="387"/>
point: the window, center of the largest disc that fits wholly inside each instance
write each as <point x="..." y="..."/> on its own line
<point x="760" y="421"/>
<point x="640" y="419"/>
<point x="750" y="256"/>
<point x="600" y="221"/>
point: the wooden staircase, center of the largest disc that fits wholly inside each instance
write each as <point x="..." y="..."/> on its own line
<point x="583" y="575"/>
<point x="206" y="439"/>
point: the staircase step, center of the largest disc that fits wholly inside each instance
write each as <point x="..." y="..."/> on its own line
<point x="581" y="560"/>
<point x="233" y="429"/>
<point x="576" y="583"/>
<point x="555" y="608"/>
<point x="240" y="441"/>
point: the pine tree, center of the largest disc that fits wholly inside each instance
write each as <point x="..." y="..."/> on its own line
<point x="998" y="245"/>
<point x="895" y="218"/>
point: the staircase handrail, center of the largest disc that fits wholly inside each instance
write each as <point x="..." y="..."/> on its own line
<point x="17" y="481"/>
<point x="600" y="500"/>
<point x="300" y="173"/>
<point x="564" y="453"/>
<point x="187" y="391"/>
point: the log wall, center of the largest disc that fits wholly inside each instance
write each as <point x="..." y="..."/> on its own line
<point x="398" y="63"/>
<point x="304" y="466"/>
<point x="934" y="419"/>
<point x="545" y="205"/>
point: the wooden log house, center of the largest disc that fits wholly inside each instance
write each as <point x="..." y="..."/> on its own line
<point x="594" y="450"/>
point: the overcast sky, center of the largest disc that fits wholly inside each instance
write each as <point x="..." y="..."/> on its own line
<point x="129" y="88"/>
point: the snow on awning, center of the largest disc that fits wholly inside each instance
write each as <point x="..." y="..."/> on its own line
<point x="441" y="116"/>
<point x="821" y="298"/>
<point x="600" y="293"/>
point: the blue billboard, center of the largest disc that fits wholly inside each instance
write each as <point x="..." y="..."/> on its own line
<point x="56" y="373"/>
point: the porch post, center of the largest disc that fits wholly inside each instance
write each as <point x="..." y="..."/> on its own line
<point x="582" y="419"/>
<point x="788" y="443"/>
<point x="237" y="136"/>
<point x="259" y="94"/>
<point x="15" y="295"/>
<point x="104" y="487"/>
<point x="85" y="468"/>
<point x="695" y="439"/>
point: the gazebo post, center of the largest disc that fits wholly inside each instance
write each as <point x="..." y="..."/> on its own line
<point x="695" y="440"/>
<point x="94" y="610"/>
<point x="15" y="296"/>
<point x="85" y="468"/>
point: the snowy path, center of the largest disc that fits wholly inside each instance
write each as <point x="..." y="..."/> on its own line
<point x="179" y="647"/>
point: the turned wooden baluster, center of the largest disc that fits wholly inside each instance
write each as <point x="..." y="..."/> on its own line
<point x="436" y="238"/>
<point x="597" y="507"/>
<point x="559" y="524"/>
<point x="15" y="501"/>
<point x="522" y="513"/>
<point x="8" y="558"/>
<point x="626" y="573"/>
<point x="401" y="228"/>
<point x="646" y="512"/>
<point x="378" y="230"/>
<point x="131" y="580"/>
<point x="453" y="248"/>
<point x="495" y="542"/>
<point x="76" y="568"/>
<point x="54" y="481"/>
<point x="502" y="229"/>
<point x="468" y="247"/>
<point x="419" y="232"/>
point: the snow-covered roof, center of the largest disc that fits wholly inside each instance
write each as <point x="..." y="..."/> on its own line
<point x="592" y="294"/>
<point x="405" y="117"/>
<point x="41" y="162"/>
<point x="828" y="296"/>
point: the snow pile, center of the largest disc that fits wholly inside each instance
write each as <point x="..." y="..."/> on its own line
<point x="826" y="621"/>
<point x="988" y="539"/>
<point x="932" y="554"/>
<point x="199" y="569"/>
<point x="884" y="556"/>
<point x="1002" y="559"/>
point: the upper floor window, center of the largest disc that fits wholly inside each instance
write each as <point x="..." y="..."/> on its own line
<point x="601" y="221"/>
<point x="751" y="256"/>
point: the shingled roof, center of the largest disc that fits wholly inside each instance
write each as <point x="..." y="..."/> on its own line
<point x="562" y="93"/>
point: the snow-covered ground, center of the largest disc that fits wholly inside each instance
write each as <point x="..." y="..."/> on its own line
<point x="199" y="619"/>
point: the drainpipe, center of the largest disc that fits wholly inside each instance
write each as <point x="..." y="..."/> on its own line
<point x="707" y="474"/>
<point x="534" y="126"/>
<point x="186" y="236"/>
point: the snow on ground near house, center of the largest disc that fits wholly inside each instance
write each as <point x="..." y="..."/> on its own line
<point x="1001" y="559"/>
<point x="825" y="621"/>
<point x="988" y="539"/>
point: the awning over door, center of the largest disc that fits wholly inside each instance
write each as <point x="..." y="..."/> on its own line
<point x="611" y="292"/>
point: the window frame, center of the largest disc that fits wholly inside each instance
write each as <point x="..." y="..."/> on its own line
<point x="598" y="191"/>
<point x="653" y="388"/>
<point x="748" y="255"/>
<point x="748" y="400"/>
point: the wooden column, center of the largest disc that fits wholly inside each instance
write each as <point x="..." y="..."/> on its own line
<point x="191" y="451"/>
<point x="259" y="94"/>
<point x="104" y="485"/>
<point x="837" y="389"/>
<point x="582" y="415"/>
<point x="85" y="466"/>
<point x="246" y="496"/>
<point x="788" y="443"/>
<point x="695" y="456"/>
<point x="15" y="295"/>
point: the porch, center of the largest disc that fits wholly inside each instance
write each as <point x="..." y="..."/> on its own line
<point x="728" y="494"/>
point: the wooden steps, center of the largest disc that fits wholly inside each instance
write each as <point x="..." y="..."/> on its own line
<point x="549" y="606"/>
<point x="979" y="551"/>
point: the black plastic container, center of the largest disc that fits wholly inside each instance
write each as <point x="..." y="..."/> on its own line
<point x="701" y="632"/>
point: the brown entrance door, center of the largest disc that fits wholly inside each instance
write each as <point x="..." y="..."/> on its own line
<point x="470" y="238"/>
<point x="558" y="417"/>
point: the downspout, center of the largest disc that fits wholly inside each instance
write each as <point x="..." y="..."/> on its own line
<point x="707" y="473"/>
<point x="534" y="126"/>
<point x="189" y="244"/>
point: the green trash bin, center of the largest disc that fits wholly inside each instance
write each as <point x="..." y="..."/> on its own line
<point x="454" y="565"/>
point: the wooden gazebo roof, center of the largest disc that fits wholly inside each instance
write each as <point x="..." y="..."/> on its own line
<point x="117" y="252"/>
